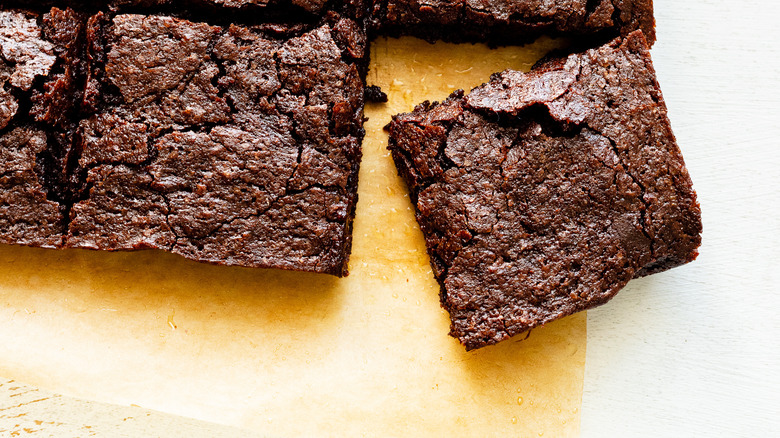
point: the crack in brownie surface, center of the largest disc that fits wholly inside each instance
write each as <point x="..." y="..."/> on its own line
<point x="38" y="73"/>
<point x="543" y="194"/>
<point x="311" y="6"/>
<point x="230" y="144"/>
<point x="224" y="145"/>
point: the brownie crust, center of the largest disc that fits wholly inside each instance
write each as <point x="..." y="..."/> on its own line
<point x="543" y="194"/>
<point x="224" y="145"/>
<point x="513" y="21"/>
<point x="39" y="70"/>
<point x="312" y="6"/>
<point x="235" y="145"/>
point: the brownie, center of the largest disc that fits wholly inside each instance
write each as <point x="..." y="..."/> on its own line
<point x="513" y="21"/>
<point x="254" y="6"/>
<point x="231" y="145"/>
<point x="307" y="5"/>
<point x="39" y="73"/>
<point x="290" y="11"/>
<point x="235" y="145"/>
<point x="543" y="194"/>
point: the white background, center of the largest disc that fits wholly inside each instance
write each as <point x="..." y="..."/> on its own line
<point x="696" y="351"/>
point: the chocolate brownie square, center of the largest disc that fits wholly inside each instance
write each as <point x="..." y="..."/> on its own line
<point x="231" y="145"/>
<point x="543" y="194"/>
<point x="39" y="75"/>
<point x="513" y="21"/>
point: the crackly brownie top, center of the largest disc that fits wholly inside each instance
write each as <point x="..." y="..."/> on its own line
<point x="38" y="72"/>
<point x="542" y="194"/>
<point x="173" y="73"/>
<point x="311" y="6"/>
<point x="231" y="145"/>
<point x="497" y="19"/>
<point x="24" y="55"/>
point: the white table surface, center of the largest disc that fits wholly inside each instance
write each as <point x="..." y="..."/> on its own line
<point x="696" y="351"/>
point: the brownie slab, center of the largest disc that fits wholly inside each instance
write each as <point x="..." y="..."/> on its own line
<point x="543" y="194"/>
<point x="307" y="5"/>
<point x="185" y="6"/>
<point x="290" y="11"/>
<point x="38" y="76"/>
<point x="234" y="145"/>
<point x="513" y="21"/>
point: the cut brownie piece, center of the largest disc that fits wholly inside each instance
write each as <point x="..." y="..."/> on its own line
<point x="513" y="21"/>
<point x="39" y="74"/>
<point x="543" y="194"/>
<point x="236" y="145"/>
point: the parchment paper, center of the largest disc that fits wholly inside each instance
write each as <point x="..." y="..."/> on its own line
<point x="291" y="354"/>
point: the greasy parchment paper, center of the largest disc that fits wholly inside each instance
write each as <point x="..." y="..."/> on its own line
<point x="290" y="354"/>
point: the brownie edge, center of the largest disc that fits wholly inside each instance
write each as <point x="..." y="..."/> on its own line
<point x="542" y="194"/>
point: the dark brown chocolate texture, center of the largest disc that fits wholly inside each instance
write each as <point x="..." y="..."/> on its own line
<point x="229" y="144"/>
<point x="513" y="21"/>
<point x="224" y="145"/>
<point x="307" y="5"/>
<point x="276" y="7"/>
<point x="38" y="72"/>
<point x="543" y="194"/>
<point x="235" y="145"/>
<point x="288" y="11"/>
